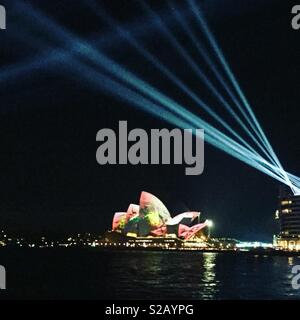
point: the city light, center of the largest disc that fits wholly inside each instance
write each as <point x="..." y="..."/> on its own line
<point x="209" y="223"/>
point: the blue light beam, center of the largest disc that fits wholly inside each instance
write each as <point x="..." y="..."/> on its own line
<point x="231" y="76"/>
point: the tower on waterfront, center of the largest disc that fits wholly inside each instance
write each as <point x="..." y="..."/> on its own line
<point x="288" y="215"/>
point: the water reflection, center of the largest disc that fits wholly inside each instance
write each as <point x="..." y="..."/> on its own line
<point x="150" y="275"/>
<point x="291" y="261"/>
<point x="188" y="275"/>
<point x="209" y="283"/>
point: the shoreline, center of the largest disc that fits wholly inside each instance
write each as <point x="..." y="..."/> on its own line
<point x="259" y="252"/>
<point x="255" y="252"/>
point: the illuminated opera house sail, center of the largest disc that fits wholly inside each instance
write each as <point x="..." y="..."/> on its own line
<point x="152" y="218"/>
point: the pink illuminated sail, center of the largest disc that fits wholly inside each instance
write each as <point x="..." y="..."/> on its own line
<point x="149" y="204"/>
<point x="132" y="211"/>
<point x="187" y="232"/>
<point x="187" y="217"/>
<point x="118" y="220"/>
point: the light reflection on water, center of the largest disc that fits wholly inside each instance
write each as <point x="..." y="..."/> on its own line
<point x="96" y="274"/>
<point x="190" y="275"/>
<point x="208" y="279"/>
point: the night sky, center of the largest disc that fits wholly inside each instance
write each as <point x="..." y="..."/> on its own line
<point x="50" y="180"/>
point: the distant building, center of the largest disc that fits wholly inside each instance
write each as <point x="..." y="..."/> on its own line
<point x="288" y="215"/>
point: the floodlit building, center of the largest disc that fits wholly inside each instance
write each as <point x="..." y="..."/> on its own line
<point x="152" y="219"/>
<point x="288" y="215"/>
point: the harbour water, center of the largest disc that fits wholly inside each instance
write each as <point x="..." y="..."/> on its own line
<point x="93" y="274"/>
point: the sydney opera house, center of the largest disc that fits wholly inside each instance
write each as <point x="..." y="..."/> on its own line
<point x="150" y="218"/>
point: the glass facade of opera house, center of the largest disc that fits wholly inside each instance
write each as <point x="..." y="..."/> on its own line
<point x="152" y="219"/>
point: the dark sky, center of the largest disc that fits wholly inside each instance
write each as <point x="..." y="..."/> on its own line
<point x="50" y="180"/>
